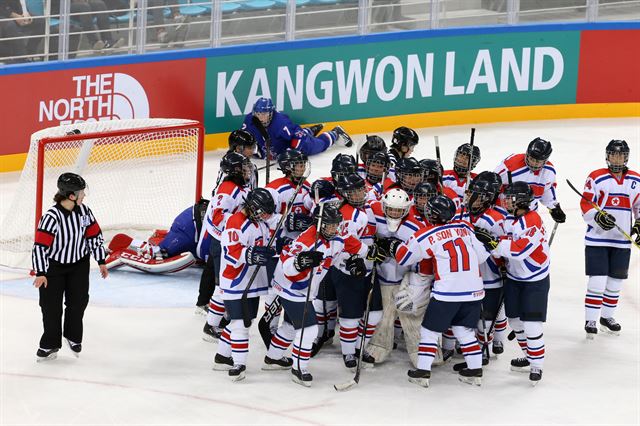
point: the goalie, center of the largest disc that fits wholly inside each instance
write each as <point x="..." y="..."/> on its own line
<point x="165" y="251"/>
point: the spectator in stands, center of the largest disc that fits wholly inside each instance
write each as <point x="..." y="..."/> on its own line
<point x="157" y="15"/>
<point x="81" y="13"/>
<point x="23" y="24"/>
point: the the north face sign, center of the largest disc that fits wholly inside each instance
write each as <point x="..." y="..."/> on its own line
<point x="110" y="96"/>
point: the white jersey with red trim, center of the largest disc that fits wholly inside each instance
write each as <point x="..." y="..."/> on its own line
<point x="493" y="221"/>
<point x="542" y="182"/>
<point x="227" y="200"/>
<point x="618" y="197"/>
<point x="357" y="231"/>
<point x="309" y="202"/>
<point x="457" y="254"/>
<point x="451" y="179"/>
<point x="282" y="189"/>
<point x="389" y="272"/>
<point x="291" y="284"/>
<point x="240" y="234"/>
<point x="374" y="191"/>
<point x="524" y="247"/>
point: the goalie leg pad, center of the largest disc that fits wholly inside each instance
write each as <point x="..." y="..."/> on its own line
<point x="381" y="343"/>
<point x="157" y="266"/>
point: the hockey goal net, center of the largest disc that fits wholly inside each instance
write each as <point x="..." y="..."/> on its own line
<point x="140" y="174"/>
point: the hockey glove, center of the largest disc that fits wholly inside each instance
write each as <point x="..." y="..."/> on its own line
<point x="308" y="259"/>
<point x="281" y="243"/>
<point x="636" y="231"/>
<point x="388" y="246"/>
<point x="297" y="222"/>
<point x="557" y="214"/>
<point x="324" y="187"/>
<point x="375" y="254"/>
<point x="259" y="255"/>
<point x="485" y="237"/>
<point x="356" y="267"/>
<point x="605" y="220"/>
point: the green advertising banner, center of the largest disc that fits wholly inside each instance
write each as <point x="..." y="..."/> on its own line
<point x="396" y="77"/>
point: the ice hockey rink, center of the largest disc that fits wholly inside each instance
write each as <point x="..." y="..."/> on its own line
<point x="144" y="362"/>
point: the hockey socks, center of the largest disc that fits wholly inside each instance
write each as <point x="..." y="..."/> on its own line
<point x="301" y="353"/>
<point x="518" y="329"/>
<point x="216" y="310"/>
<point x="348" y="335"/>
<point x="593" y="299"/>
<point x="374" y="319"/>
<point x="535" y="343"/>
<point x="281" y="340"/>
<point x="469" y="346"/>
<point x="427" y="348"/>
<point x="610" y="299"/>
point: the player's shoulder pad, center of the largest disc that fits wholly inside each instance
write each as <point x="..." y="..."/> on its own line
<point x="277" y="183"/>
<point x="377" y="208"/>
<point x="412" y="222"/>
<point x="598" y="173"/>
<point x="550" y="167"/>
<point x="494" y="214"/>
<point x="450" y="193"/>
<point x="237" y="220"/>
<point x="532" y="218"/>
<point x="631" y="173"/>
<point x="307" y="238"/>
<point x="227" y="188"/>
<point x="515" y="161"/>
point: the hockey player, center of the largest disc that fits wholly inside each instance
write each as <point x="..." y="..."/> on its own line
<point x="377" y="168"/>
<point x="534" y="168"/>
<point x="421" y="194"/>
<point x="456" y="178"/>
<point x="408" y="175"/>
<point x="433" y="174"/>
<point x="225" y="201"/>
<point x="303" y="264"/>
<point x="479" y="212"/>
<point x="403" y="142"/>
<point x="372" y="145"/>
<point x="245" y="246"/>
<point x="165" y="251"/>
<point x="350" y="276"/>
<point x="242" y="142"/>
<point x="526" y="288"/>
<point x="394" y="220"/>
<point x="264" y="120"/>
<point x="457" y="289"/>
<point x="616" y="190"/>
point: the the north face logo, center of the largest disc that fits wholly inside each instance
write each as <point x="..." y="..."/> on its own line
<point x="109" y="96"/>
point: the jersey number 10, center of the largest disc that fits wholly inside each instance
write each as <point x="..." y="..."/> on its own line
<point x="453" y="247"/>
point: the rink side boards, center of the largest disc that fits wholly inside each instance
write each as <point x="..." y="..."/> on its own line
<point x="598" y="78"/>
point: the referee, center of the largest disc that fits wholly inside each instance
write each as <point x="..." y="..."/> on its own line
<point x="66" y="234"/>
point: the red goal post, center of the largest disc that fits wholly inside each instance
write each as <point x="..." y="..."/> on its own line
<point x="140" y="175"/>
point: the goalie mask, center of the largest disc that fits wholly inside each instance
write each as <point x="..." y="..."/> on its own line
<point x="409" y="173"/>
<point x="294" y="164"/>
<point x="263" y="110"/>
<point x="352" y="188"/>
<point x="617" y="156"/>
<point x="396" y="205"/>
<point x="259" y="204"/>
<point x="377" y="166"/>
<point x="372" y="145"/>
<point x="330" y="221"/>
<point x="461" y="159"/>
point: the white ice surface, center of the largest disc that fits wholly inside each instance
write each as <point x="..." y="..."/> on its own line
<point x="143" y="360"/>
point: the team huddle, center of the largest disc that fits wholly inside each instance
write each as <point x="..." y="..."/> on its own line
<point x="388" y="248"/>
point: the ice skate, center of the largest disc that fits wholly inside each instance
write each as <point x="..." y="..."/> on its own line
<point x="237" y="372"/>
<point x="472" y="376"/>
<point x="210" y="333"/>
<point x="520" y="365"/>
<point x="462" y="365"/>
<point x="343" y="138"/>
<point x="46" y="355"/>
<point x="367" y="360"/>
<point x="76" y="348"/>
<point x="283" y="363"/>
<point x="350" y="361"/>
<point x="316" y="129"/>
<point x="498" y="348"/>
<point x="201" y="310"/>
<point x="609" y="325"/>
<point x="301" y="377"/>
<point x="590" y="329"/>
<point x="222" y="363"/>
<point x="419" y="377"/>
<point x="535" y="376"/>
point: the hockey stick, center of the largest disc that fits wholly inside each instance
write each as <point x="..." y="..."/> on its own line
<point x="244" y="299"/>
<point x="342" y="387"/>
<point x="553" y="233"/>
<point x="438" y="150"/>
<point x="267" y="143"/>
<point x="597" y="207"/>
<point x="306" y="302"/>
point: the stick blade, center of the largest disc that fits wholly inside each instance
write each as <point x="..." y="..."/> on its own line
<point x="343" y="387"/>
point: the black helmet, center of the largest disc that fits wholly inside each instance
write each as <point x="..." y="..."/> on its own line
<point x="331" y="215"/>
<point x="342" y="164"/>
<point x="519" y="194"/>
<point x="494" y="179"/>
<point x="538" y="149"/>
<point x="240" y="138"/>
<point x="614" y="147"/>
<point x="324" y="187"/>
<point x="236" y="165"/>
<point x="404" y="136"/>
<point x="379" y="158"/>
<point x="462" y="167"/>
<point x="407" y="168"/>
<point x="439" y="209"/>
<point x="258" y="202"/>
<point x="483" y="191"/>
<point x="422" y="193"/>
<point x="352" y="188"/>
<point x="69" y="183"/>
<point x="432" y="171"/>
<point x="288" y="159"/>
<point x="373" y="144"/>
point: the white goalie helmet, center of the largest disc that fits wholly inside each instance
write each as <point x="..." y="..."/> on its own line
<point x="396" y="205"/>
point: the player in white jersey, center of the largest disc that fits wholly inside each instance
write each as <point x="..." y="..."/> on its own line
<point x="225" y="201"/>
<point x="403" y="142"/>
<point x="482" y="193"/>
<point x="457" y="288"/>
<point x="534" y="168"/>
<point x="526" y="288"/>
<point x="394" y="220"/>
<point x="456" y="178"/>
<point x="245" y="250"/>
<point x="372" y="145"/>
<point x="409" y="174"/>
<point x="616" y="190"/>
<point x="302" y="266"/>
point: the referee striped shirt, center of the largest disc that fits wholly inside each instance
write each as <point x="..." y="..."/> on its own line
<point x="66" y="237"/>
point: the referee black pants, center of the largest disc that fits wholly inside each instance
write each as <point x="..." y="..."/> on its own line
<point x="71" y="282"/>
